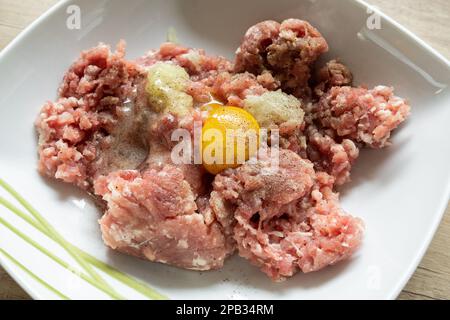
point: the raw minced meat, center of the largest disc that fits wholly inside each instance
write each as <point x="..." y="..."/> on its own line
<point x="333" y="74"/>
<point x="328" y="155"/>
<point x="109" y="132"/>
<point x="234" y="89"/>
<point x="365" y="116"/>
<point x="153" y="215"/>
<point x="196" y="62"/>
<point x="62" y="128"/>
<point x="287" y="219"/>
<point x="211" y="76"/>
<point x="100" y="77"/>
<point x="287" y="51"/>
<point x="76" y="133"/>
<point x="160" y="145"/>
<point x="280" y="111"/>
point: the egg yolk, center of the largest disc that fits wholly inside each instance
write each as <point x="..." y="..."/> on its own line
<point x="230" y="136"/>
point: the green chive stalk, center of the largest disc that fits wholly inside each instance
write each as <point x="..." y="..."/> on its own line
<point x="34" y="276"/>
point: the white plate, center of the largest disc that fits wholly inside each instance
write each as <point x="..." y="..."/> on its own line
<point x="400" y="192"/>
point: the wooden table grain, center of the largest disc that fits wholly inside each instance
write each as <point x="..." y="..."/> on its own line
<point x="430" y="20"/>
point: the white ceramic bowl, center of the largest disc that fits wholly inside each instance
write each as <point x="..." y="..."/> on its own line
<point x="400" y="192"/>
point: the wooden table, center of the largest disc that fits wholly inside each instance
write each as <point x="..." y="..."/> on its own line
<point x="430" y="20"/>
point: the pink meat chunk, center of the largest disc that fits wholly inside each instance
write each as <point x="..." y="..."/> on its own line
<point x="102" y="136"/>
<point x="211" y="76"/>
<point x="154" y="215"/>
<point x="287" y="51"/>
<point x="233" y="89"/>
<point x="286" y="220"/>
<point x="196" y="62"/>
<point x="328" y="155"/>
<point x="203" y="69"/>
<point x="101" y="77"/>
<point x="161" y="144"/>
<point x="365" y="116"/>
<point x="64" y="152"/>
<point x="333" y="74"/>
<point x="74" y="129"/>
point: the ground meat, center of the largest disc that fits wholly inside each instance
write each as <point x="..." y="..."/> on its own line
<point x="288" y="219"/>
<point x="203" y="69"/>
<point x="196" y="62"/>
<point x="211" y="76"/>
<point x="251" y="54"/>
<point x="276" y="110"/>
<point x="154" y="215"/>
<point x="105" y="135"/>
<point x="161" y="145"/>
<point x="64" y="152"/>
<point x="100" y="77"/>
<point x="287" y="50"/>
<point x="333" y="74"/>
<point x="93" y="96"/>
<point x="233" y="89"/>
<point x="365" y="116"/>
<point x="328" y="155"/>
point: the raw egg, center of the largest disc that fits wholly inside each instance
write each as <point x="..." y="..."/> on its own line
<point x="230" y="136"/>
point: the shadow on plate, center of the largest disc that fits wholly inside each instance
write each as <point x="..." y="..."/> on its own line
<point x="372" y="162"/>
<point x="237" y="273"/>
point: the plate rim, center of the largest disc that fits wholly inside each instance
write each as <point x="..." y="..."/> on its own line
<point x="4" y="263"/>
<point x="435" y="223"/>
<point x="401" y="283"/>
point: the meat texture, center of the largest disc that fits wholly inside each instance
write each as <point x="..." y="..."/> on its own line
<point x="211" y="76"/>
<point x="234" y="89"/>
<point x="333" y="74"/>
<point x="153" y="214"/>
<point x="328" y="155"/>
<point x="287" y="219"/>
<point x="109" y="134"/>
<point x="287" y="51"/>
<point x="93" y="98"/>
<point x="196" y="62"/>
<point x="366" y="116"/>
